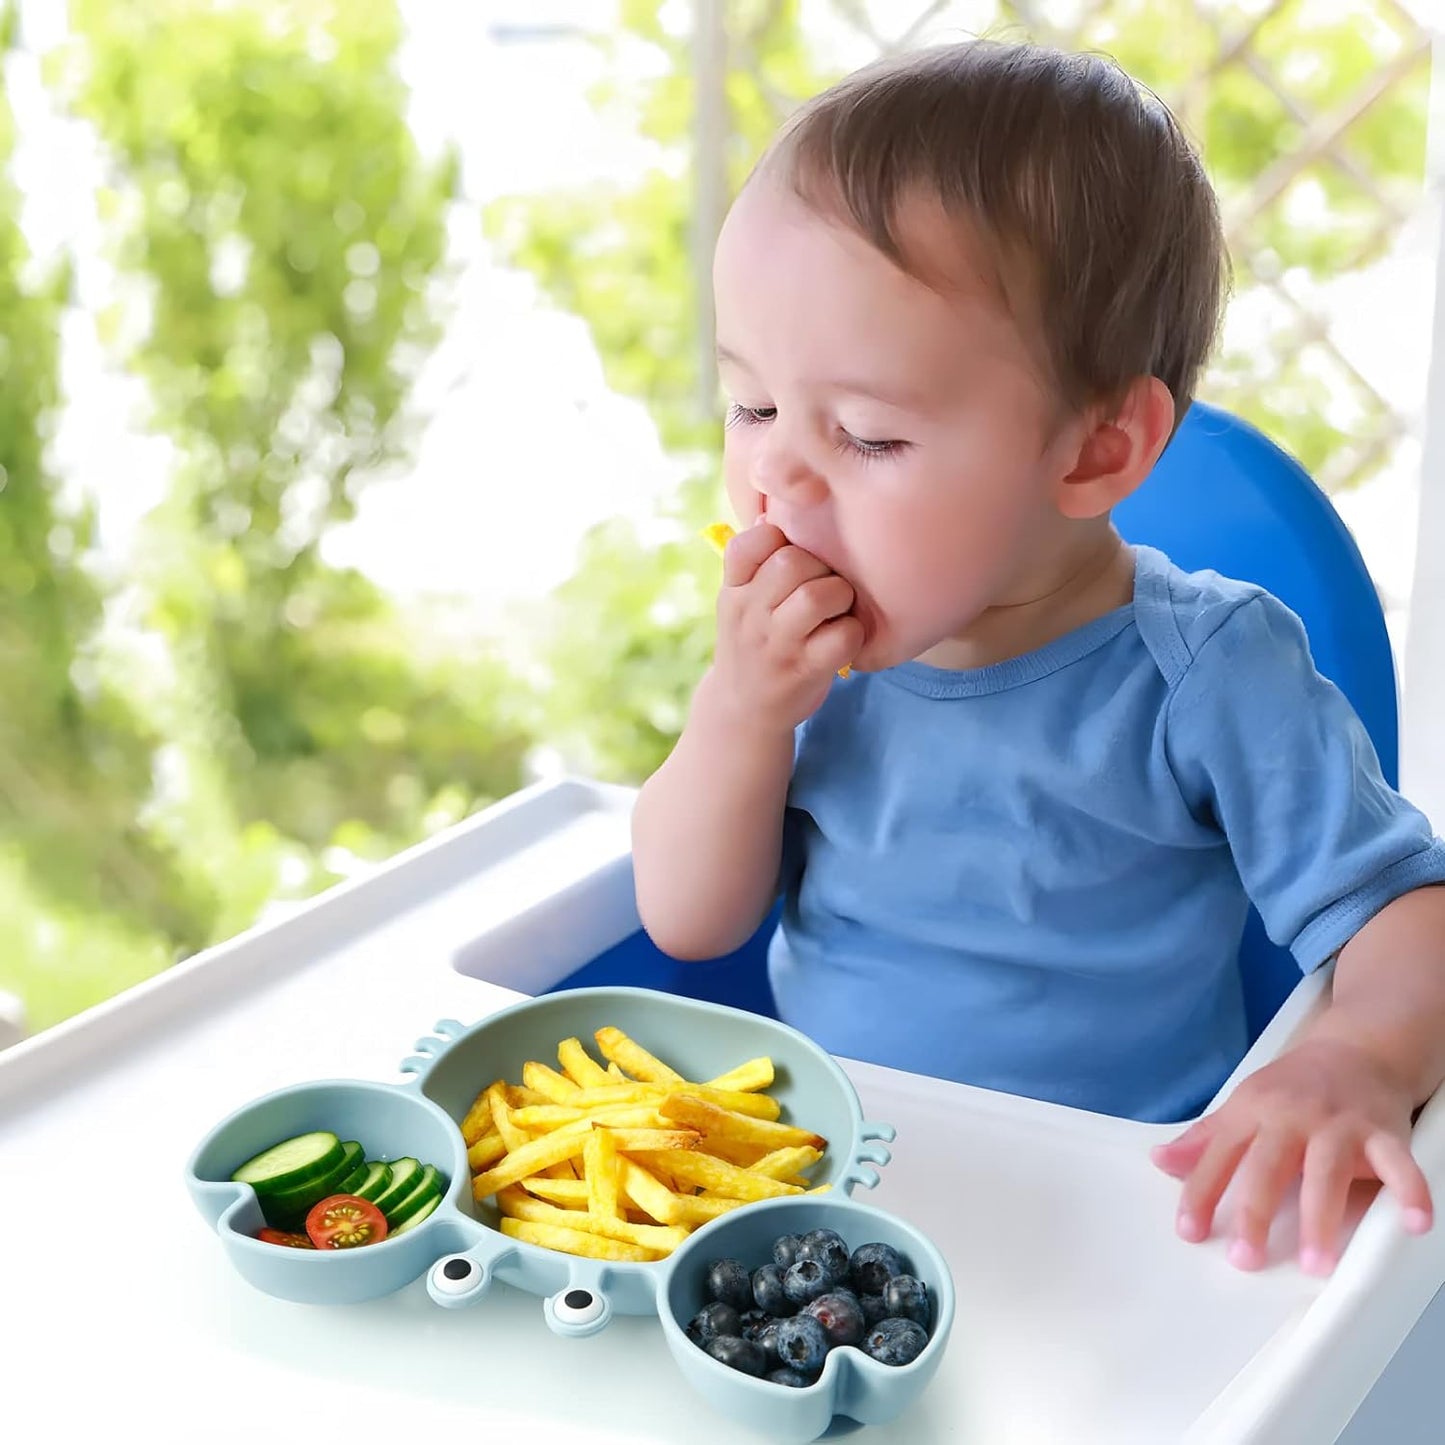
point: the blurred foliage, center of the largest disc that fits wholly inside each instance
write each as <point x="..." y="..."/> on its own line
<point x="265" y="720"/>
<point x="1314" y="137"/>
<point x="632" y="630"/>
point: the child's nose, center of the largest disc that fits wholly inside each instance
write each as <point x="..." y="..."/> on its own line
<point x="781" y="469"/>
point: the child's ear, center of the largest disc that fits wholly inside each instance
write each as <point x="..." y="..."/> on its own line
<point x="1118" y="450"/>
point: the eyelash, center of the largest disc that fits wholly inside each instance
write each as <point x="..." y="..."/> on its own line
<point x="868" y="451"/>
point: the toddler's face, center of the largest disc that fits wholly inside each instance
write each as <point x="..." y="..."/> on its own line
<point x="900" y="433"/>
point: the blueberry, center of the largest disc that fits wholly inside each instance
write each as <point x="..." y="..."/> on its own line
<point x="895" y="1341"/>
<point x="805" y="1281"/>
<point x="796" y="1378"/>
<point x="873" y="1309"/>
<point x="873" y="1265"/>
<point x="767" y="1340"/>
<point x="828" y="1248"/>
<point x="728" y="1281"/>
<point x="737" y="1353"/>
<point x="752" y="1322"/>
<point x="906" y="1298"/>
<point x="802" y="1343"/>
<point x="714" y="1320"/>
<point x="785" y="1251"/>
<point x="840" y="1314"/>
<point x="768" y="1291"/>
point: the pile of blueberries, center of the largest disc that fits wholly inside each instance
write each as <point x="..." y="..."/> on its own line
<point x="781" y="1320"/>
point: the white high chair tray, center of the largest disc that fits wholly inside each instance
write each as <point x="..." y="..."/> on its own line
<point x="1081" y="1318"/>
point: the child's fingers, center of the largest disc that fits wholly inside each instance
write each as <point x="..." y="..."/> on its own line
<point x="748" y="550"/>
<point x="834" y="645"/>
<point x="807" y="607"/>
<point x="1271" y="1165"/>
<point x="1207" y="1181"/>
<point x="1178" y="1157"/>
<point x="782" y="571"/>
<point x="1324" y="1192"/>
<point x="1395" y="1167"/>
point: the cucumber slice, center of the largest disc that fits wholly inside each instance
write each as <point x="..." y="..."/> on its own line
<point x="405" y="1172"/>
<point x="416" y="1218"/>
<point x="289" y="1209"/>
<point x="429" y="1187"/>
<point x="378" y="1179"/>
<point x="354" y="1180"/>
<point x="292" y="1164"/>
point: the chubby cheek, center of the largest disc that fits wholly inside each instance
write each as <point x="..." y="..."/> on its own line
<point x="930" y="577"/>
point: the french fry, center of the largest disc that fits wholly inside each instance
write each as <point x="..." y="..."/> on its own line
<point x="649" y="1193"/>
<point x="574" y="1241"/>
<point x="630" y="1116"/>
<point x="613" y="1071"/>
<point x="515" y="1203"/>
<point x="487" y="1150"/>
<point x="512" y="1135"/>
<point x="789" y="1160"/>
<point x="627" y="1054"/>
<point x="757" y="1106"/>
<point x="717" y="535"/>
<point x="735" y="1151"/>
<point x="708" y="1118"/>
<point x="610" y="1094"/>
<point x="580" y="1066"/>
<point x="746" y="1078"/>
<point x="534" y="1156"/>
<point x="696" y="1209"/>
<point x="542" y="1118"/>
<point x="519" y="1096"/>
<point x="599" y="1157"/>
<point x="629" y="1141"/>
<point x="546" y="1080"/>
<point x="478" y="1119"/>
<point x="715" y="1174"/>
<point x="663" y="1238"/>
<point x="570" y="1193"/>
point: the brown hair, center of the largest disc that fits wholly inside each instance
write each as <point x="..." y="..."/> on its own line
<point x="1091" y="203"/>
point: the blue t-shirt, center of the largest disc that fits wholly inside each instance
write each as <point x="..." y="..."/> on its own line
<point x="1034" y="876"/>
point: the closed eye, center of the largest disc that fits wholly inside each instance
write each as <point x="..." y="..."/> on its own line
<point x="750" y="415"/>
<point x="869" y="450"/>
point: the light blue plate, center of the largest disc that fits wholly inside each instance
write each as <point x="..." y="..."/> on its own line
<point x="460" y="1250"/>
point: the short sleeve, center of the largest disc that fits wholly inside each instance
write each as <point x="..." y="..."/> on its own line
<point x="1273" y="754"/>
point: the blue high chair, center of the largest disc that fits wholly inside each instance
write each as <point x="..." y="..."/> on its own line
<point x="1223" y="496"/>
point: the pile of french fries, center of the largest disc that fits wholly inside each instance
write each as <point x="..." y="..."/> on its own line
<point x="622" y="1162"/>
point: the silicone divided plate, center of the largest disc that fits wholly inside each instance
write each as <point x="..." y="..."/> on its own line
<point x="461" y="1251"/>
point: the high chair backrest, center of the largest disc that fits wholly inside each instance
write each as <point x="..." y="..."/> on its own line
<point x="1224" y="496"/>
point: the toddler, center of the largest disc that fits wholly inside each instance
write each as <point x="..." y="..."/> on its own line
<point x="962" y="304"/>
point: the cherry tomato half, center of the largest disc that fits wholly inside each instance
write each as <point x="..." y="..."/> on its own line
<point x="285" y="1236"/>
<point x="344" y="1221"/>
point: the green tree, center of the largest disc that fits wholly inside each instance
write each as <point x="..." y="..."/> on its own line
<point x="279" y="245"/>
<point x="75" y="759"/>
<point x="629" y="634"/>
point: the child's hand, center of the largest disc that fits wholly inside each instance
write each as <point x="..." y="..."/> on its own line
<point x="1325" y="1112"/>
<point x="783" y="628"/>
